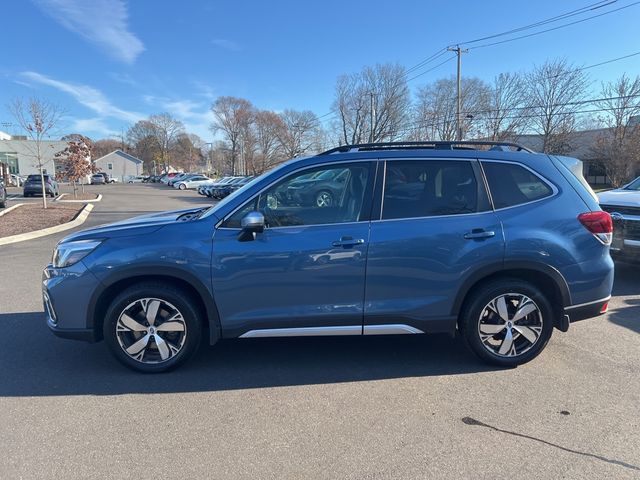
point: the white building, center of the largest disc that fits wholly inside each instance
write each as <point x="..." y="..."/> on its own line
<point x="20" y="154"/>
<point x="120" y="165"/>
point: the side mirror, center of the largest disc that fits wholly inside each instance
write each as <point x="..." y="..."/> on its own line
<point x="252" y="223"/>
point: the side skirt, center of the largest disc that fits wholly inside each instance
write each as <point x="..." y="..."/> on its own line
<point x="393" y="329"/>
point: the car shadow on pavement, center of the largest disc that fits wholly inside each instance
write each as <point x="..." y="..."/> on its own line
<point x="35" y="363"/>
<point x="626" y="283"/>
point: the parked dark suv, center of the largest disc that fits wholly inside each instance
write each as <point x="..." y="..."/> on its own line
<point x="33" y="186"/>
<point x="500" y="244"/>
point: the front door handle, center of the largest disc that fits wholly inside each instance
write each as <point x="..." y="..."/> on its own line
<point x="479" y="233"/>
<point x="347" y="242"/>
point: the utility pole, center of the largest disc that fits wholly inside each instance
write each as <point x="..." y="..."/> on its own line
<point x="372" y="114"/>
<point x="459" y="52"/>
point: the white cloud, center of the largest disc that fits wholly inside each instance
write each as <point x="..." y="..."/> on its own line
<point x="93" y="125"/>
<point x="226" y="44"/>
<point x="85" y="95"/>
<point x="196" y="116"/>
<point x="123" y="78"/>
<point x="102" y="22"/>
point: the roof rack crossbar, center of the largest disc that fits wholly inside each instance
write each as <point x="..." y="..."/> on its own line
<point x="436" y="145"/>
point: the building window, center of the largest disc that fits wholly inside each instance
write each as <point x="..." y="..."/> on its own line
<point x="11" y="160"/>
<point x="109" y="166"/>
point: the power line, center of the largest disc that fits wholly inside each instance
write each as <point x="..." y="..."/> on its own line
<point x="590" y="7"/>
<point x="562" y="16"/>
<point x="554" y="28"/>
<point x="413" y="126"/>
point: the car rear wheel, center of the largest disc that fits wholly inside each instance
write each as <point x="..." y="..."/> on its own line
<point x="507" y="322"/>
<point x="152" y="327"/>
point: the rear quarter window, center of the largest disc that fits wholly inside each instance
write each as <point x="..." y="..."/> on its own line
<point x="512" y="184"/>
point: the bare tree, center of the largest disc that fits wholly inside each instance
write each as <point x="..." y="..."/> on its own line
<point x="100" y="148"/>
<point x="506" y="102"/>
<point x="76" y="161"/>
<point x="233" y="117"/>
<point x="435" y="109"/>
<point x="165" y="131"/>
<point x="619" y="147"/>
<point x="187" y="151"/>
<point x="298" y="132"/>
<point x="143" y="142"/>
<point x="267" y="127"/>
<point x="553" y="90"/>
<point x="372" y="105"/>
<point x="39" y="118"/>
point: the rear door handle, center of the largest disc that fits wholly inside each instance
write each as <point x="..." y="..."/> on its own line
<point x="347" y="242"/>
<point x="479" y="233"/>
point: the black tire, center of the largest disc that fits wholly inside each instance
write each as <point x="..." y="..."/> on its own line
<point x="182" y="186"/>
<point x="181" y="300"/>
<point x="470" y="322"/>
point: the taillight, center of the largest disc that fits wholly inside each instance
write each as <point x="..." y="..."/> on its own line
<point x="599" y="223"/>
<point x="604" y="308"/>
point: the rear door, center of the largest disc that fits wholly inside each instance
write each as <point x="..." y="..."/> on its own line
<point x="435" y="226"/>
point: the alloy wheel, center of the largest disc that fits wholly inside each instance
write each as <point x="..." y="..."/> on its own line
<point x="324" y="199"/>
<point x="510" y="325"/>
<point x="151" y="330"/>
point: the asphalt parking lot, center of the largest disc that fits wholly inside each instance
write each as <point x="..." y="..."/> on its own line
<point x="360" y="408"/>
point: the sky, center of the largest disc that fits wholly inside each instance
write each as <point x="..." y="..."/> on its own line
<point x="109" y="63"/>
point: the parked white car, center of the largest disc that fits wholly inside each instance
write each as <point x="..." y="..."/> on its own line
<point x="624" y="206"/>
<point x="136" y="179"/>
<point x="193" y="182"/>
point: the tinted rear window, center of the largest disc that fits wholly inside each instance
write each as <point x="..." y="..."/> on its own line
<point x="514" y="185"/>
<point x="426" y="188"/>
<point x="36" y="178"/>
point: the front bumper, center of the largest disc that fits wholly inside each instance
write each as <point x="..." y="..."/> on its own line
<point x="66" y="294"/>
<point x="626" y="236"/>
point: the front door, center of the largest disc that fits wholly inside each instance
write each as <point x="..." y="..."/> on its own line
<point x="305" y="274"/>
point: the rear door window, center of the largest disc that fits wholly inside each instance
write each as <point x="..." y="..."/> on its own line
<point x="427" y="188"/>
<point x="512" y="184"/>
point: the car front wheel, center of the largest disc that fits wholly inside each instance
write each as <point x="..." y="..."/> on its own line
<point x="152" y="327"/>
<point x="182" y="186"/>
<point x="507" y="322"/>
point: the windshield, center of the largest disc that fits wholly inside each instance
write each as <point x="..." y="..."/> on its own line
<point x="635" y="185"/>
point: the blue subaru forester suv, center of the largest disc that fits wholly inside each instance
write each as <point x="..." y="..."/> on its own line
<point x="490" y="240"/>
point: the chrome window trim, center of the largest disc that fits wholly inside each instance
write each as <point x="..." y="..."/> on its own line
<point x="571" y="307"/>
<point x="554" y="188"/>
<point x="307" y="167"/>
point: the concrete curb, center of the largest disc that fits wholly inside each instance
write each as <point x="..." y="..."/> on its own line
<point x="59" y="199"/>
<point x="76" y="222"/>
<point x="12" y="207"/>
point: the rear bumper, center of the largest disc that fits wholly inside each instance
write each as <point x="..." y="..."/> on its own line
<point x="587" y="310"/>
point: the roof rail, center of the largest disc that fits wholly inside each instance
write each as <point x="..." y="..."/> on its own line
<point x="435" y="145"/>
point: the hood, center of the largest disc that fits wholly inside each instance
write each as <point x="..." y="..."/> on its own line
<point x="620" y="197"/>
<point x="142" y="225"/>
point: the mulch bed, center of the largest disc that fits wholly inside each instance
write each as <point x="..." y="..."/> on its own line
<point x="81" y="196"/>
<point x="30" y="217"/>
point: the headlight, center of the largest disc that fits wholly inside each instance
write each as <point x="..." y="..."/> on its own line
<point x="68" y="253"/>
